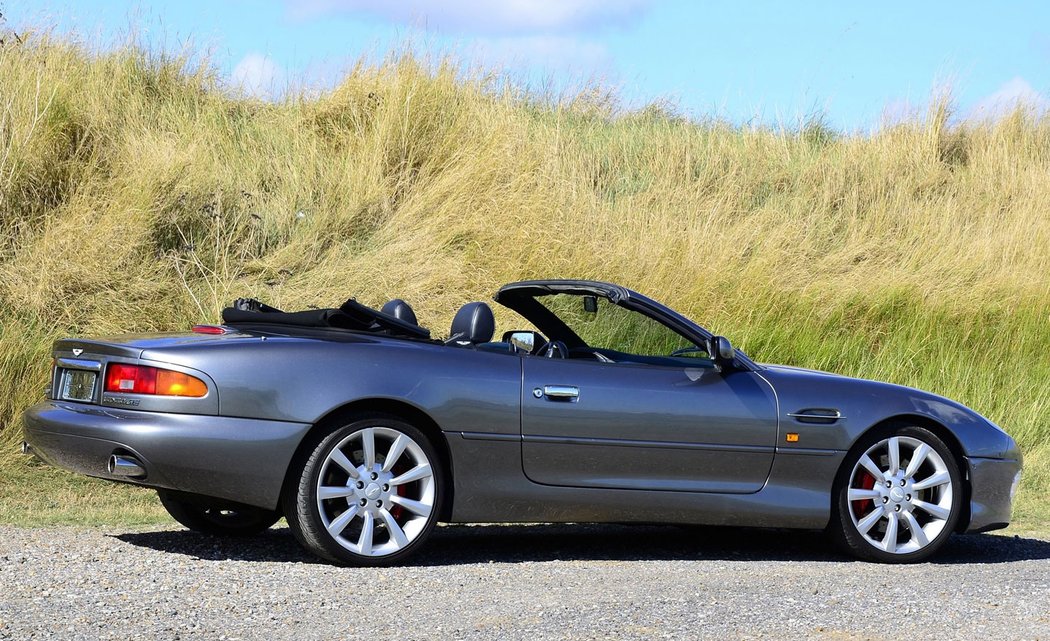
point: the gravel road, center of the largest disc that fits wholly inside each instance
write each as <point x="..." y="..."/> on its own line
<point x="515" y="582"/>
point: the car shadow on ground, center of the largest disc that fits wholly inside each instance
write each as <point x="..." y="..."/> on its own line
<point x="467" y="544"/>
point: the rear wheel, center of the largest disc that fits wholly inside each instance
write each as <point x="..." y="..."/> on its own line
<point x="368" y="494"/>
<point x="899" y="496"/>
<point x="207" y="517"/>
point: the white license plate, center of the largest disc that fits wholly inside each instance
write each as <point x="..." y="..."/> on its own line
<point x="78" y="385"/>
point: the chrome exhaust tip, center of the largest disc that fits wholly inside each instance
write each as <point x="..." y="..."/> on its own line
<point x="26" y="449"/>
<point x="126" y="466"/>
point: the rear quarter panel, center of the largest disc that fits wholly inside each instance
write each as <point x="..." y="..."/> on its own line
<point x="303" y="380"/>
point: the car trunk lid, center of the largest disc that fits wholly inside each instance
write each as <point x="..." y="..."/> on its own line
<point x="80" y="364"/>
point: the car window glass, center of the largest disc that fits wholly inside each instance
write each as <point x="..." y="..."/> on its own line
<point x="612" y="327"/>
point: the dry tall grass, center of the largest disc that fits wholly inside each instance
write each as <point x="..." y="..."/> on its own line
<point x="135" y="194"/>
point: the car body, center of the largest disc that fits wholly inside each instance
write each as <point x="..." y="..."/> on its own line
<point x="560" y="430"/>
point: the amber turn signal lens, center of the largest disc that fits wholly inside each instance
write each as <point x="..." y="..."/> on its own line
<point x="792" y="437"/>
<point x="171" y="383"/>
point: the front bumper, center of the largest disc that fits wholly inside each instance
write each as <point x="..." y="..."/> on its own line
<point x="991" y="492"/>
<point x="237" y="459"/>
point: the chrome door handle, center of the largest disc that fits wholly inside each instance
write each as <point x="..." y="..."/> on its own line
<point x="561" y="391"/>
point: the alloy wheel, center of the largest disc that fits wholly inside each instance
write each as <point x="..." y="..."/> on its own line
<point x="375" y="491"/>
<point x="900" y="495"/>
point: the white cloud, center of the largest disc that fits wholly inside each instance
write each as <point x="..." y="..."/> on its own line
<point x="484" y="16"/>
<point x="258" y="75"/>
<point x="900" y="111"/>
<point x="563" y="53"/>
<point x="1015" y="92"/>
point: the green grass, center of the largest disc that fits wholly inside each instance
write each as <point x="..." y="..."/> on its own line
<point x="33" y="495"/>
<point x="137" y="194"/>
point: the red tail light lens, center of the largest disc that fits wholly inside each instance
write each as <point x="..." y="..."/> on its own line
<point x="134" y="379"/>
<point x="142" y="379"/>
<point x="209" y="329"/>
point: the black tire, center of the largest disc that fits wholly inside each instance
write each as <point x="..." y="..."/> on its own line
<point x="846" y="531"/>
<point x="216" y="519"/>
<point x="307" y="515"/>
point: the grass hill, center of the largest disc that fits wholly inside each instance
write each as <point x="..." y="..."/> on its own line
<point x="137" y="194"/>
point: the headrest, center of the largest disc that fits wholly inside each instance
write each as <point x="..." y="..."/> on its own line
<point x="473" y="324"/>
<point x="400" y="310"/>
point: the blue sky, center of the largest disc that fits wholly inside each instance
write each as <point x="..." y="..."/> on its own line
<point x="765" y="62"/>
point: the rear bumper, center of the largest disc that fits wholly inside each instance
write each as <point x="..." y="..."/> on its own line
<point x="237" y="459"/>
<point x="991" y="492"/>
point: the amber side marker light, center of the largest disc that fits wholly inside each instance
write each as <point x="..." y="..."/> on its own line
<point x="143" y="379"/>
<point x="792" y="437"/>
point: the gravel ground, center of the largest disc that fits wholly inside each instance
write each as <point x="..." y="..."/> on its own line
<point x="515" y="582"/>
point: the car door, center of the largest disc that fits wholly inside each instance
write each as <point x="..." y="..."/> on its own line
<point x="627" y="425"/>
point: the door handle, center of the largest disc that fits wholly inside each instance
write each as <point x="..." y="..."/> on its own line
<point x="559" y="391"/>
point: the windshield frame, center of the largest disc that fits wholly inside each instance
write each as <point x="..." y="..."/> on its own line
<point x="521" y="297"/>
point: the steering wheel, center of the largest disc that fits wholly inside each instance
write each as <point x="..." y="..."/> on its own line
<point x="554" y="349"/>
<point x="692" y="349"/>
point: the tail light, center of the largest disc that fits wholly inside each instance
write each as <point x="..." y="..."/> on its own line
<point x="142" y="379"/>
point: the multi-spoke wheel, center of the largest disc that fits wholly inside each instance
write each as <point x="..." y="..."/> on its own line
<point x="369" y="493"/>
<point x="208" y="516"/>
<point x="899" y="496"/>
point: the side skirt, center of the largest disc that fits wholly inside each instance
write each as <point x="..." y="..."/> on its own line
<point x="490" y="487"/>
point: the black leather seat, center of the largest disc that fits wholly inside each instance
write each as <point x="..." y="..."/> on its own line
<point x="400" y="310"/>
<point x="473" y="324"/>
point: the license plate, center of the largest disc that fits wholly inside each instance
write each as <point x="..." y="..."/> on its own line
<point x="78" y="385"/>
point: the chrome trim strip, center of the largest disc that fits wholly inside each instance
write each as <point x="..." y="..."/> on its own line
<point x="489" y="436"/>
<point x="79" y="363"/>
<point x="807" y="451"/>
<point x="671" y="445"/>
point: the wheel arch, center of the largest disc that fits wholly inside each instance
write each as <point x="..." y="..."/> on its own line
<point x="395" y="408"/>
<point x="941" y="431"/>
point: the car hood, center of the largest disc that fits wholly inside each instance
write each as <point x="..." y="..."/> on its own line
<point x="849" y="388"/>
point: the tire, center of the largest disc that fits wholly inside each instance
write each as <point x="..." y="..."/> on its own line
<point x="369" y="493"/>
<point x="215" y="519"/>
<point x="897" y="512"/>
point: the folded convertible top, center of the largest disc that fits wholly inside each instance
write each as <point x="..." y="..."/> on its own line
<point x="351" y="315"/>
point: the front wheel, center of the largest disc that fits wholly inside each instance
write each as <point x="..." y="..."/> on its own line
<point x="208" y="517"/>
<point x="369" y="493"/>
<point x="899" y="496"/>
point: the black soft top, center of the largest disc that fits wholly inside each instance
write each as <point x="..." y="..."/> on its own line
<point x="351" y="315"/>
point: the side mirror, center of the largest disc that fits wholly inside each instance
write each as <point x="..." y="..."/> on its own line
<point x="522" y="341"/>
<point x="722" y="351"/>
<point x="590" y="304"/>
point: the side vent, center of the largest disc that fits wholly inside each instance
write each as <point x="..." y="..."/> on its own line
<point x="817" y="416"/>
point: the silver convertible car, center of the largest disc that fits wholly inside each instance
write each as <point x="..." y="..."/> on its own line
<point x="363" y="431"/>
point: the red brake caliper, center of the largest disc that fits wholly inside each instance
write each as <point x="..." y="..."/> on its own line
<point x="867" y="482"/>
<point x="396" y="511"/>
